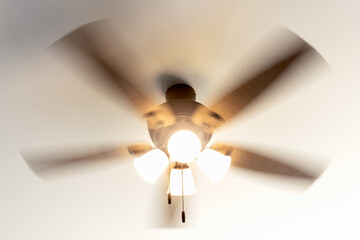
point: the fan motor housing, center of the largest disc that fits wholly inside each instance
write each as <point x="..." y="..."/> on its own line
<point x="181" y="101"/>
<point x="182" y="111"/>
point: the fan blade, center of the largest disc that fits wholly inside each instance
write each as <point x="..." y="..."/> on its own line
<point x="105" y="53"/>
<point x="256" y="162"/>
<point x="227" y="107"/>
<point x="60" y="159"/>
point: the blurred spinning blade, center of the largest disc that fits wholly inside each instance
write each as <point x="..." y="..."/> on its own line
<point x="251" y="160"/>
<point x="60" y="161"/>
<point x="100" y="49"/>
<point x="269" y="69"/>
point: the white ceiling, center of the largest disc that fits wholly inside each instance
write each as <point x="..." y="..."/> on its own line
<point x="44" y="103"/>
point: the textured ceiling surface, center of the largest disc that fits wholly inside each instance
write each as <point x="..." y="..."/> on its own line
<point x="45" y="101"/>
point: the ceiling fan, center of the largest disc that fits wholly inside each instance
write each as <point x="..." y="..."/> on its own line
<point x="180" y="128"/>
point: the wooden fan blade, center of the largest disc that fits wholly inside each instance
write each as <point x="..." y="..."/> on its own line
<point x="103" y="51"/>
<point x="256" y="162"/>
<point x="58" y="159"/>
<point x="248" y="90"/>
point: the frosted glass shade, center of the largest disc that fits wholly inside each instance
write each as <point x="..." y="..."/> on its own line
<point x="184" y="146"/>
<point x="213" y="164"/>
<point x="151" y="165"/>
<point x="176" y="185"/>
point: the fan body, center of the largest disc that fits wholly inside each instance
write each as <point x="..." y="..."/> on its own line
<point x="181" y="102"/>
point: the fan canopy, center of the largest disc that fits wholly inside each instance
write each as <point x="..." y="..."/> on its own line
<point x="180" y="91"/>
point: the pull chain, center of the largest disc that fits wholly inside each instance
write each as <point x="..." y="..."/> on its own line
<point x="169" y="193"/>
<point x="182" y="196"/>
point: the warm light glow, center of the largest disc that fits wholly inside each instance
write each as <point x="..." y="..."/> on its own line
<point x="213" y="164"/>
<point x="151" y="165"/>
<point x="175" y="182"/>
<point x="184" y="146"/>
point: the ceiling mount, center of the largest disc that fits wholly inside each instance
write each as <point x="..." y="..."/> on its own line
<point x="180" y="91"/>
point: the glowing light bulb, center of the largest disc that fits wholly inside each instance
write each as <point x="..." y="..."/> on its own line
<point x="176" y="183"/>
<point x="150" y="165"/>
<point x="184" y="146"/>
<point x="213" y="164"/>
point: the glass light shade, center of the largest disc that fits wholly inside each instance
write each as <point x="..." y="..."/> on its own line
<point x="151" y="165"/>
<point x="213" y="164"/>
<point x="176" y="184"/>
<point x="184" y="146"/>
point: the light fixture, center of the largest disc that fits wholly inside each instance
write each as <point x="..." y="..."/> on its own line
<point x="151" y="165"/>
<point x="213" y="164"/>
<point x="184" y="146"/>
<point x="182" y="182"/>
